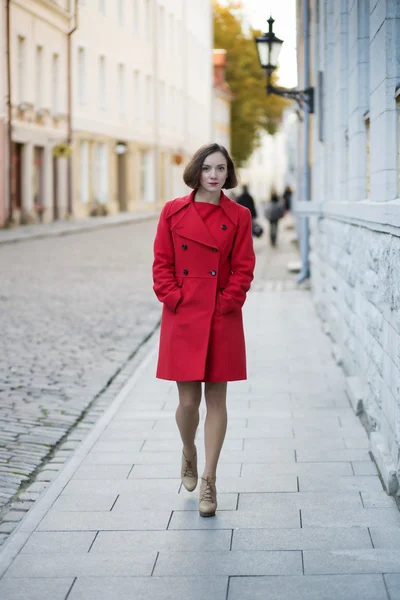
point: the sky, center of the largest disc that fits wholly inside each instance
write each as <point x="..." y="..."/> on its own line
<point x="284" y="13"/>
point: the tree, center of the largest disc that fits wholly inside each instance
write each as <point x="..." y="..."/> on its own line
<point x="252" y="110"/>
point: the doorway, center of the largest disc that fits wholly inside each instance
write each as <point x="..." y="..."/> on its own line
<point x="16" y="176"/>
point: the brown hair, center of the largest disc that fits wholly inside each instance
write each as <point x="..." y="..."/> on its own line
<point x="192" y="173"/>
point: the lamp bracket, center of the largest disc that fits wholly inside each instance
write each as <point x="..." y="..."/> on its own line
<point x="300" y="96"/>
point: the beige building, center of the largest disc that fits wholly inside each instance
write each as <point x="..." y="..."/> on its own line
<point x="142" y="100"/>
<point x="3" y="108"/>
<point x="222" y="99"/>
<point x="38" y="47"/>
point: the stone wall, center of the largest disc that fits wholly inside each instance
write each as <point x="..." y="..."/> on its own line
<point x="356" y="281"/>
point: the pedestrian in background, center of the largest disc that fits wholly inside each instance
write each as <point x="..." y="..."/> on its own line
<point x="273" y="213"/>
<point x="203" y="267"/>
<point x="247" y="200"/>
<point x="287" y="198"/>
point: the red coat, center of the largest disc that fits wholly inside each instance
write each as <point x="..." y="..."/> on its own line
<point x="202" y="274"/>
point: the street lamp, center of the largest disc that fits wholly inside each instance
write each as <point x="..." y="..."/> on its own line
<point x="268" y="48"/>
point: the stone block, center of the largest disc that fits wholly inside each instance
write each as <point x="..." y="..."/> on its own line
<point x="338" y="455"/>
<point x="81" y="565"/>
<point x="109" y="472"/>
<point x="140" y="588"/>
<point x="312" y="483"/>
<point x="142" y="500"/>
<point x="319" y="562"/>
<point x="103" y="521"/>
<point x="59" y="542"/>
<point x="393" y="585"/>
<point x="346" y="587"/>
<point x="299" y="469"/>
<point x="298" y="500"/>
<point x="364" y="468"/>
<point x="277" y="518"/>
<point x="238" y="563"/>
<point x="385" y="536"/>
<point x="35" y="588"/>
<point x="126" y="542"/>
<point x="272" y="483"/>
<point x="301" y="539"/>
<point x="91" y="502"/>
<point x="351" y="517"/>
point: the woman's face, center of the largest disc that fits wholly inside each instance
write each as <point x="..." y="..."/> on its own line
<point x="214" y="172"/>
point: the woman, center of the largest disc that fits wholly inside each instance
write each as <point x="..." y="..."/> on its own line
<point x="203" y="267"/>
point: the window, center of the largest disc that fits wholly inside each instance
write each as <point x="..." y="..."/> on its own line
<point x="147" y="19"/>
<point x="55" y="83"/>
<point x="39" y="77"/>
<point x="121" y="90"/>
<point x="149" y="98"/>
<point x="102" y="83"/>
<point x="82" y="76"/>
<point x="100" y="173"/>
<point x="135" y="15"/>
<point x="121" y="11"/>
<point x="161" y="27"/>
<point x="84" y="172"/>
<point x="102" y="7"/>
<point x="137" y="94"/>
<point x="162" y="102"/>
<point x="21" y="69"/>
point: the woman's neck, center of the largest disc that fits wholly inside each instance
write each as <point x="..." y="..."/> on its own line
<point x="205" y="196"/>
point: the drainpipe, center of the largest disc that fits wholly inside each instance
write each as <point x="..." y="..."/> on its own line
<point x="69" y="110"/>
<point x="8" y="157"/>
<point x="305" y="270"/>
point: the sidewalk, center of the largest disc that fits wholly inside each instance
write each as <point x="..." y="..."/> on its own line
<point x="55" y="228"/>
<point x="302" y="513"/>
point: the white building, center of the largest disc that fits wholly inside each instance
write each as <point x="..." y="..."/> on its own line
<point x="222" y="100"/>
<point x="142" y="101"/>
<point x="355" y="258"/>
<point x="39" y="107"/>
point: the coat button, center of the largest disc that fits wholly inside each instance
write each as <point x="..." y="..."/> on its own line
<point x="224" y="227"/>
<point x="185" y="272"/>
<point x="213" y="272"/>
<point x="215" y="249"/>
<point x="184" y="246"/>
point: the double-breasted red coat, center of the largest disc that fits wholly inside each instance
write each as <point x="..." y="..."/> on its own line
<point x="201" y="275"/>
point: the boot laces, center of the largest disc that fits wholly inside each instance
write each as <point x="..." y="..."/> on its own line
<point x="208" y="493"/>
<point x="189" y="470"/>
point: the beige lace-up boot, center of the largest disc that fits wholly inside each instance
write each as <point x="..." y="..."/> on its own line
<point x="208" y="497"/>
<point x="189" y="472"/>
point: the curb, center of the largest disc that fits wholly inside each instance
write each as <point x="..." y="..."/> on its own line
<point x="74" y="227"/>
<point x="28" y="524"/>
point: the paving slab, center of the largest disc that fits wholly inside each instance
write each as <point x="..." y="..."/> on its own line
<point x="49" y="542"/>
<point x="35" y="588"/>
<point x="101" y="521"/>
<point x="125" y="542"/>
<point x="240" y="563"/>
<point x="331" y="562"/>
<point x="140" y="588"/>
<point x="75" y="565"/>
<point x="393" y="586"/>
<point x="260" y="502"/>
<point x="338" y="587"/>
<point x="350" y="517"/>
<point x="301" y="539"/>
<point x="385" y="537"/>
<point x="279" y="518"/>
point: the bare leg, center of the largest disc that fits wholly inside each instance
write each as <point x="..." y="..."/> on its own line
<point x="215" y="425"/>
<point x="187" y="414"/>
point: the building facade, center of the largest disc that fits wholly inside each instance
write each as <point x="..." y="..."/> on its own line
<point x="222" y="99"/>
<point x="38" y="50"/>
<point x="142" y="100"/>
<point x="3" y="111"/>
<point x="355" y="205"/>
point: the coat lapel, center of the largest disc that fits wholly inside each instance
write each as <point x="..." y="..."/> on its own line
<point x="191" y="226"/>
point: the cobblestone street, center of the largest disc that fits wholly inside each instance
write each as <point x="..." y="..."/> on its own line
<point x="73" y="310"/>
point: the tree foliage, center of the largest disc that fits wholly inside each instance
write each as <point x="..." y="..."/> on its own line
<point x="252" y="110"/>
